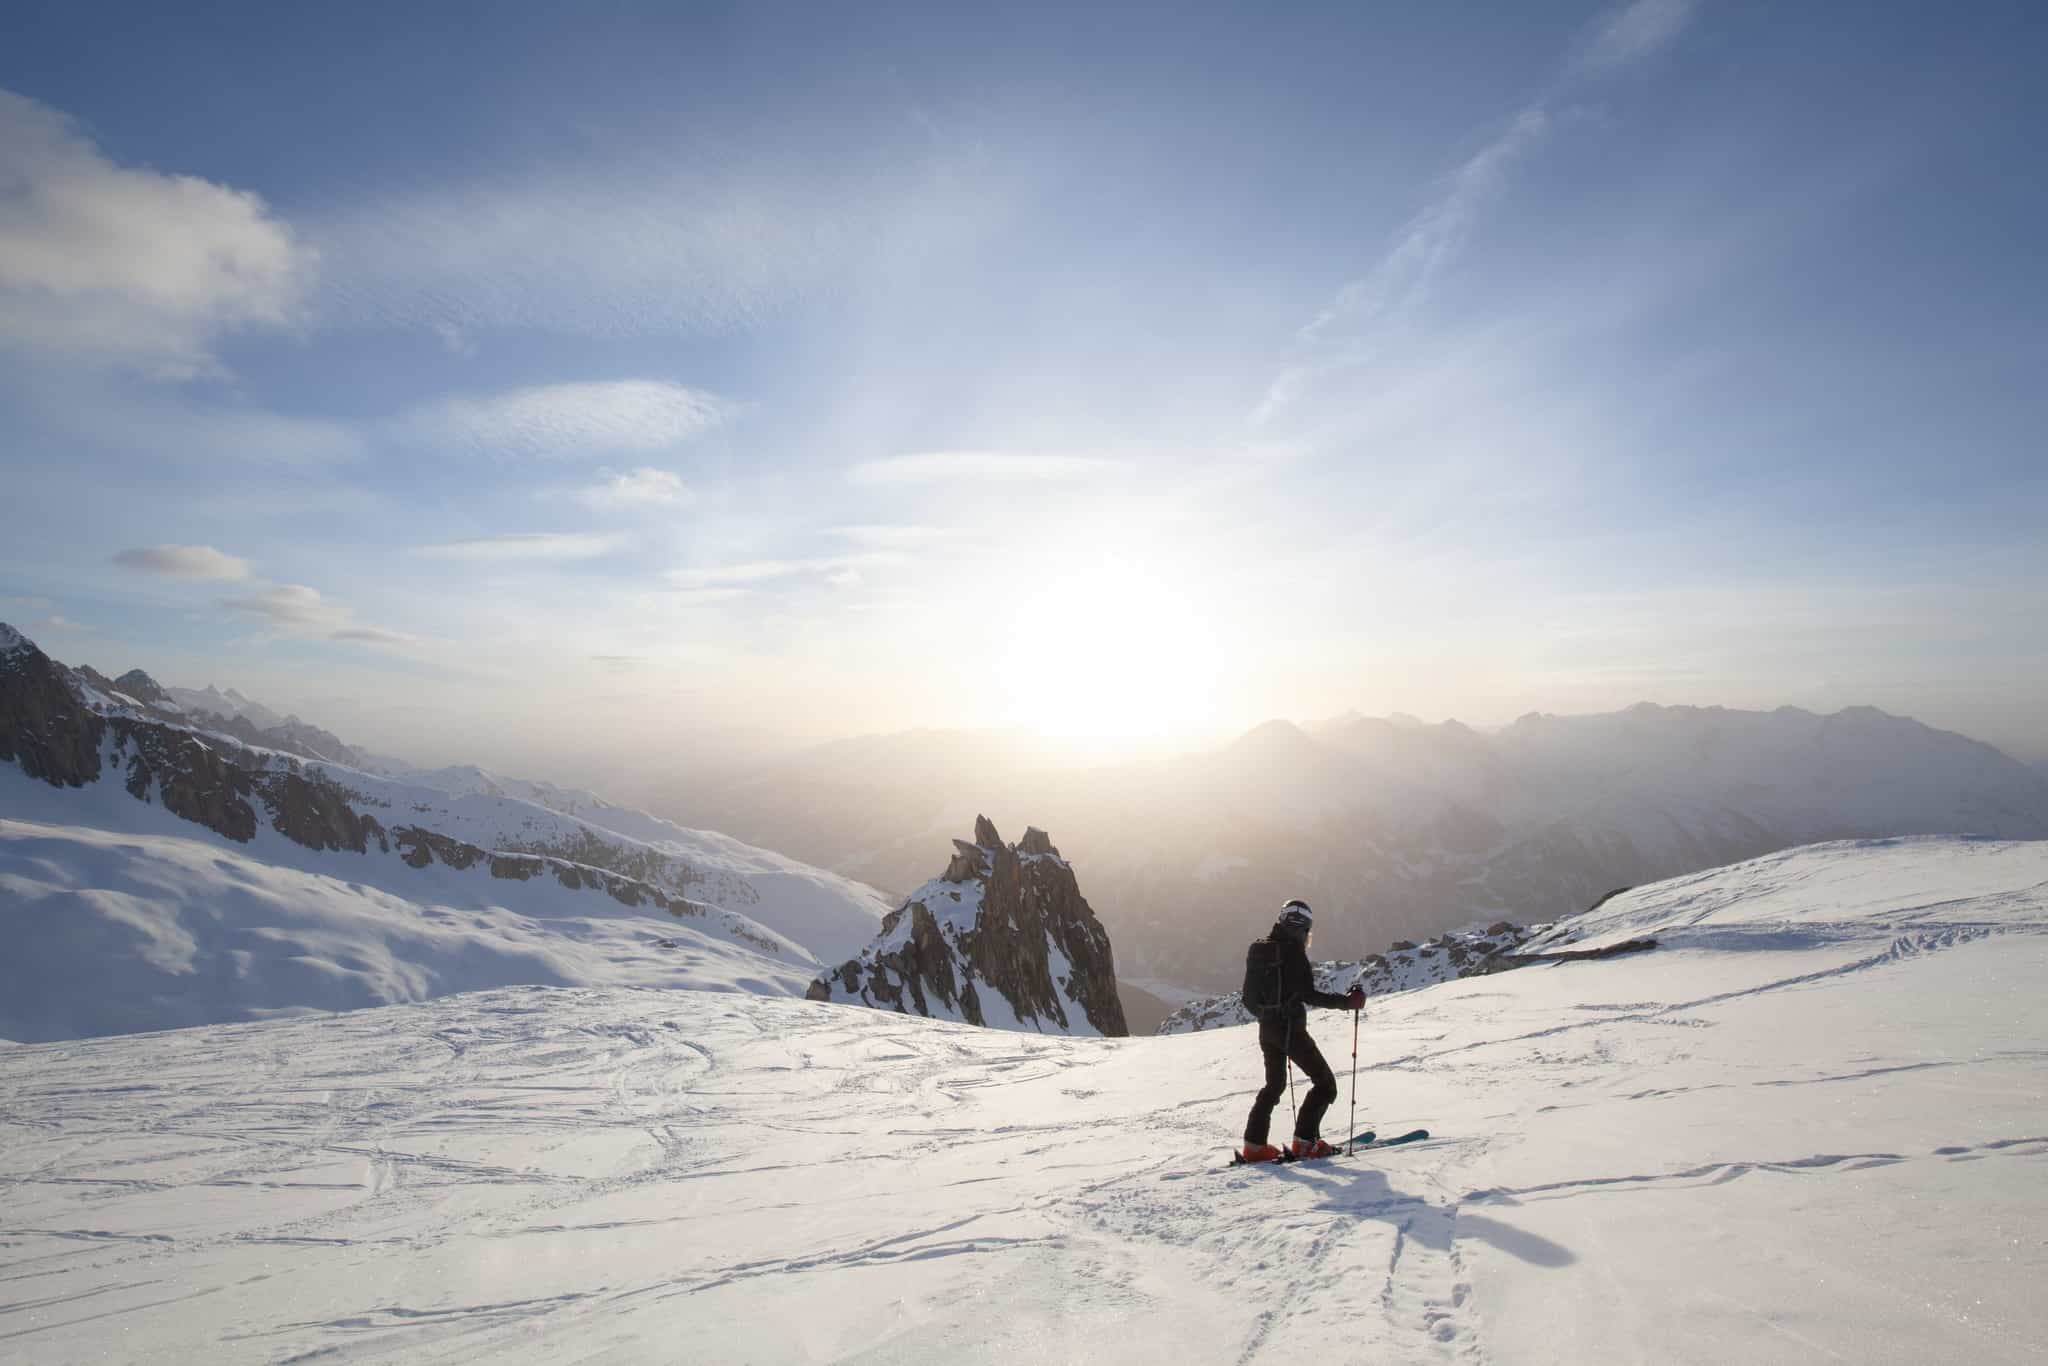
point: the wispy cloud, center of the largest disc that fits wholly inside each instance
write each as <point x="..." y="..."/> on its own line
<point x="621" y="248"/>
<point x="1633" y="32"/>
<point x="28" y="604"/>
<point x="296" y="609"/>
<point x="532" y="545"/>
<point x="1399" y="281"/>
<point x="374" y="635"/>
<point x="184" y="562"/>
<point x="935" y="466"/>
<point x="693" y="597"/>
<point x="60" y="623"/>
<point x="764" y="571"/>
<point x="127" y="265"/>
<point x="644" y="487"/>
<point x="569" y="421"/>
<point x="289" y="606"/>
<point x="1402" y="276"/>
<point x="893" y="537"/>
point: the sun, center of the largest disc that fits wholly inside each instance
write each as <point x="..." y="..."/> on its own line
<point x="1126" y="650"/>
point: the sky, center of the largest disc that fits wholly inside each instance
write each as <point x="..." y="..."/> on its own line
<point x="486" y="379"/>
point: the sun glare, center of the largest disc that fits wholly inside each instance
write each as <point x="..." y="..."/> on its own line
<point x="1134" y="658"/>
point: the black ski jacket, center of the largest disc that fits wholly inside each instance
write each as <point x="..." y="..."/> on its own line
<point x="1298" y="989"/>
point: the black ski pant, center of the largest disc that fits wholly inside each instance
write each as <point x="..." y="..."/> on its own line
<point x="1283" y="1036"/>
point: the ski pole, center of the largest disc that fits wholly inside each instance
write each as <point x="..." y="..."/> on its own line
<point x="1290" y="1074"/>
<point x="1350" y="1144"/>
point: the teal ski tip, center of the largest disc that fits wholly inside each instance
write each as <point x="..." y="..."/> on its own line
<point x="1412" y="1136"/>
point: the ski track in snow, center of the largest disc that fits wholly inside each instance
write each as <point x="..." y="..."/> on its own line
<point x="1781" y="1140"/>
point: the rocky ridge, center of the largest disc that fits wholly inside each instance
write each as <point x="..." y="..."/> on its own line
<point x="1002" y="938"/>
<point x="72" y="728"/>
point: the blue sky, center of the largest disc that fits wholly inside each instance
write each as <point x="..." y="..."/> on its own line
<point x="450" y="370"/>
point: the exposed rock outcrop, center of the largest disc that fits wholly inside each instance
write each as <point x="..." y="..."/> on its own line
<point x="140" y="686"/>
<point x="42" y="725"/>
<point x="67" y="727"/>
<point x="1003" y="937"/>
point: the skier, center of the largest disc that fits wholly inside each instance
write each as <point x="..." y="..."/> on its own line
<point x="1279" y="987"/>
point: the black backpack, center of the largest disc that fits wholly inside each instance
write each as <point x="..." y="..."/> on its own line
<point x="1262" y="976"/>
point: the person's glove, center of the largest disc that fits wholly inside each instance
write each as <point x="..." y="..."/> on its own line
<point x="1356" y="1000"/>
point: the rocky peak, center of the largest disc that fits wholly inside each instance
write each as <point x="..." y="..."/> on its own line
<point x="1003" y="938"/>
<point x="140" y="686"/>
<point x="969" y="862"/>
<point x="43" y="725"/>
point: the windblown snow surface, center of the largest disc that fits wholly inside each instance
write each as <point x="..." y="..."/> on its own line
<point x="118" y="916"/>
<point x="1808" y="1126"/>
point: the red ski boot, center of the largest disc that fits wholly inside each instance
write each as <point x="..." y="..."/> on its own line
<point x="1313" y="1147"/>
<point x="1260" y="1152"/>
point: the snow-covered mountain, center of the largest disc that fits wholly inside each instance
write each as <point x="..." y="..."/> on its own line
<point x="352" y="877"/>
<point x="1807" y="1127"/>
<point x="1405" y="966"/>
<point x="214" y="701"/>
<point x="1002" y="938"/>
<point x="111" y="932"/>
<point x="1392" y="828"/>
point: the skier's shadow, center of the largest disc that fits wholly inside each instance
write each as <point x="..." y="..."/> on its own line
<point x="1365" y="1193"/>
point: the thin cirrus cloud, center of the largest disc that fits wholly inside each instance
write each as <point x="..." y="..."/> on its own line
<point x="1633" y="32"/>
<point x="645" y="487"/>
<point x="296" y="609"/>
<point x="184" y="562"/>
<point x="532" y="545"/>
<point x="373" y="635"/>
<point x="291" y="606"/>
<point x="731" y="576"/>
<point x="1399" y="281"/>
<point x="620" y="249"/>
<point x="883" y="537"/>
<point x="926" y="467"/>
<point x="570" y="421"/>
<point x="130" y="266"/>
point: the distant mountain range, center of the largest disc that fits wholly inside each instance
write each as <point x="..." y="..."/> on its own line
<point x="1392" y="828"/>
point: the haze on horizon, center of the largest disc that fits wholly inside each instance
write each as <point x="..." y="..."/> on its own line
<point x="601" y="380"/>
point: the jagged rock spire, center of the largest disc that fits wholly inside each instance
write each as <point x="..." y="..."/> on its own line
<point x="1003" y="937"/>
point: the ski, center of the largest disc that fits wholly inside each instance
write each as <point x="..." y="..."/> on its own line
<point x="1356" y="1143"/>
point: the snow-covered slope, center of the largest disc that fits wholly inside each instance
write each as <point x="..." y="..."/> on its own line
<point x="109" y="933"/>
<point x="156" y="871"/>
<point x="832" y="916"/>
<point x="78" y="730"/>
<point x="1809" y="1126"/>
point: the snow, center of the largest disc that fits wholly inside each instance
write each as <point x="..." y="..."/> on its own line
<point x="111" y="933"/>
<point x="761" y="896"/>
<point x="1808" y="1126"/>
<point x="954" y="908"/>
<point x="832" y="916"/>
